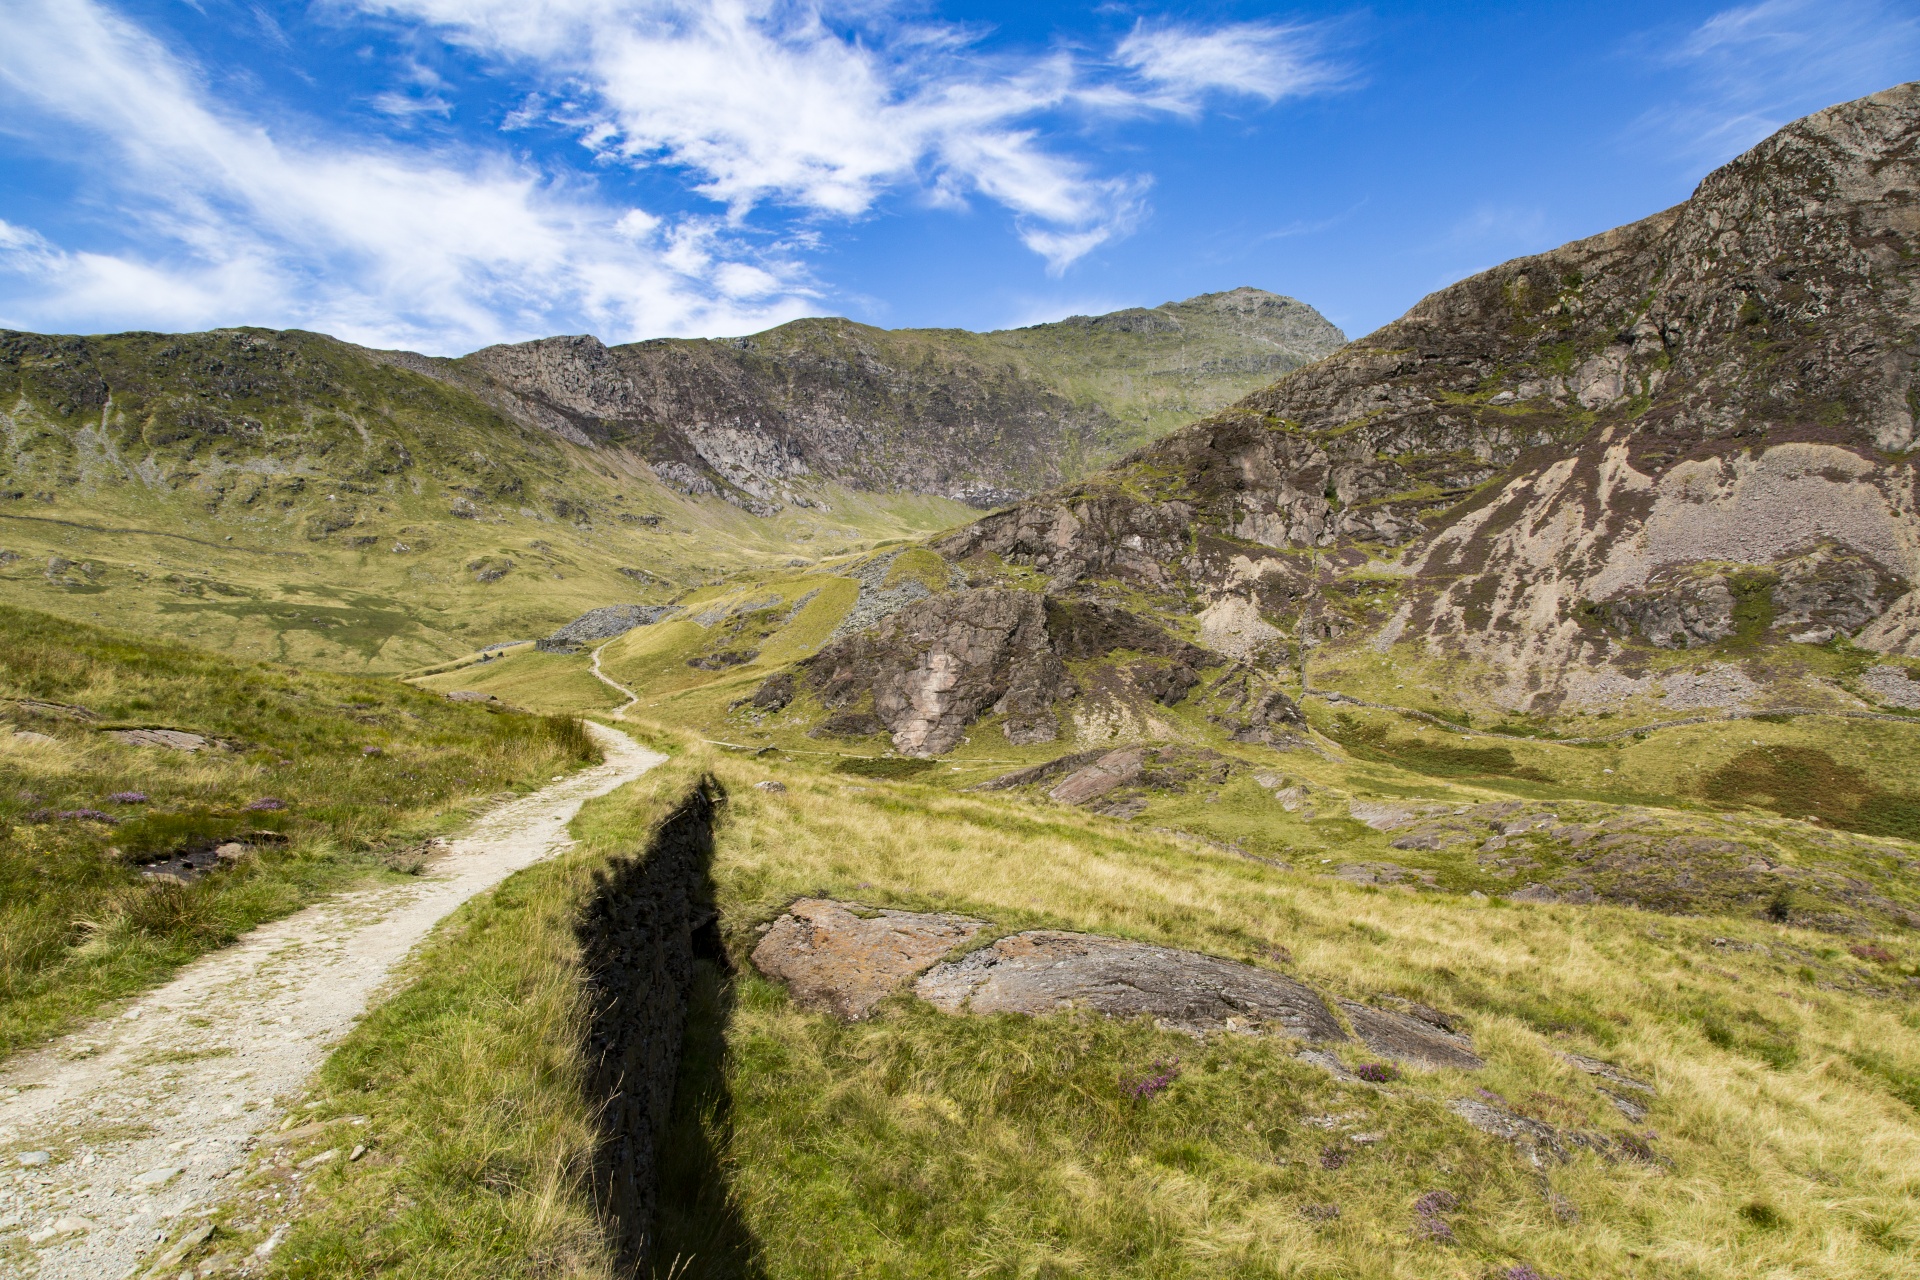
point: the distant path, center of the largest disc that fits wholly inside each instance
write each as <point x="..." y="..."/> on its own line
<point x="606" y="679"/>
<point x="215" y="1058"/>
<point x="155" y="533"/>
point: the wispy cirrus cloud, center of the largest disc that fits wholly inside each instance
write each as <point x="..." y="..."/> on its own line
<point x="1750" y="69"/>
<point x="1185" y="65"/>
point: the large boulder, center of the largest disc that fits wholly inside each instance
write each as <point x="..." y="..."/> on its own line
<point x="845" y="959"/>
<point x="1047" y="972"/>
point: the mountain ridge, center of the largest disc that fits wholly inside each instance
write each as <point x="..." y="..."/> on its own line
<point x="1544" y="471"/>
<point x="977" y="417"/>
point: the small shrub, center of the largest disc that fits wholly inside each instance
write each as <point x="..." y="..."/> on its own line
<point x="1157" y="1081"/>
<point x="1377" y="1072"/>
<point x="571" y="736"/>
<point x="128" y="797"/>
<point x="1427" y="1222"/>
<point x="1866" y="951"/>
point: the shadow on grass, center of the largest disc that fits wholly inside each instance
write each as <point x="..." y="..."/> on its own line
<point x="699" y="1233"/>
<point x="661" y="992"/>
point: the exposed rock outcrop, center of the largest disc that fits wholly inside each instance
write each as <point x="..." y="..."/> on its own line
<point x="931" y="668"/>
<point x="1047" y="972"/>
<point x="846" y="958"/>
<point x="1689" y="431"/>
<point x="937" y="665"/>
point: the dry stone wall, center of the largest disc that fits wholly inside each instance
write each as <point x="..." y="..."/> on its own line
<point x="648" y="921"/>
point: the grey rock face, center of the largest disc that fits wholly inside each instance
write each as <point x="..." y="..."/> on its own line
<point x="1047" y="972"/>
<point x="939" y="664"/>
<point x="604" y="623"/>
<point x="1112" y="770"/>
<point x="984" y="420"/>
<point x="1406" y="1037"/>
<point x="774" y="693"/>
<point x="1691" y="611"/>
<point x="1718" y="389"/>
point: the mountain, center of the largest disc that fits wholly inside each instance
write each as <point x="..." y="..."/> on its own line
<point x="288" y="495"/>
<point x="977" y="417"/>
<point x="1669" y="463"/>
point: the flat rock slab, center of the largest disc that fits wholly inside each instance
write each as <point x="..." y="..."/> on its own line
<point x="1045" y="972"/>
<point x="1114" y="769"/>
<point x="846" y="959"/>
<point x="1539" y="1142"/>
<point x="1409" y="1039"/>
<point x="171" y="739"/>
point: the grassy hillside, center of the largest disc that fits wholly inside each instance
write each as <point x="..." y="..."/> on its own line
<point x="286" y="496"/>
<point x="1152" y="369"/>
<point x="318" y="781"/>
<point x="1781" y="1136"/>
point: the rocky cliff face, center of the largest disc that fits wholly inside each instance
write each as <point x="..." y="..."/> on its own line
<point x="982" y="418"/>
<point x="1690" y="428"/>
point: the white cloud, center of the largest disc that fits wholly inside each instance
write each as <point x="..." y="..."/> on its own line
<point x="1754" y="68"/>
<point x="402" y="106"/>
<point x="373" y="242"/>
<point x="780" y="101"/>
<point x="1259" y="59"/>
<point x="775" y="109"/>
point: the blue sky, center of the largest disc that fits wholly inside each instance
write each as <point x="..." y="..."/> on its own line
<point x="441" y="174"/>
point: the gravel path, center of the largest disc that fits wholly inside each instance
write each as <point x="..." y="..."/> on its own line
<point x="112" y="1136"/>
<point x="604" y="678"/>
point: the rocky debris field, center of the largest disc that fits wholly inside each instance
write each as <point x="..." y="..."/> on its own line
<point x="604" y="623"/>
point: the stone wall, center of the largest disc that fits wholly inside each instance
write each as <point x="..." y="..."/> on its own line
<point x="649" y="919"/>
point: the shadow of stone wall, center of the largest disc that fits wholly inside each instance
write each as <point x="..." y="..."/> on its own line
<point x="644" y="932"/>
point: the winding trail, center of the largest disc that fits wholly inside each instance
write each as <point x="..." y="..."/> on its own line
<point x="606" y="679"/>
<point x="146" y="1116"/>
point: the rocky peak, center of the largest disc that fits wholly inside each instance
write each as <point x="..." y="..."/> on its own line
<point x="1574" y="449"/>
<point x="980" y="418"/>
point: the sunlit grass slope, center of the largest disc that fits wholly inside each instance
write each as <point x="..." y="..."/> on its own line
<point x="1783" y="1135"/>
<point x="1827" y="802"/>
<point x="326" y="778"/>
<point x="291" y="497"/>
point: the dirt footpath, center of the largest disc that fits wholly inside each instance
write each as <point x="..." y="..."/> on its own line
<point x="112" y="1135"/>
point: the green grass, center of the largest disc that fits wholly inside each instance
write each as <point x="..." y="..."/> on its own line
<point x="551" y="683"/>
<point x="917" y="1144"/>
<point x="360" y="768"/>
